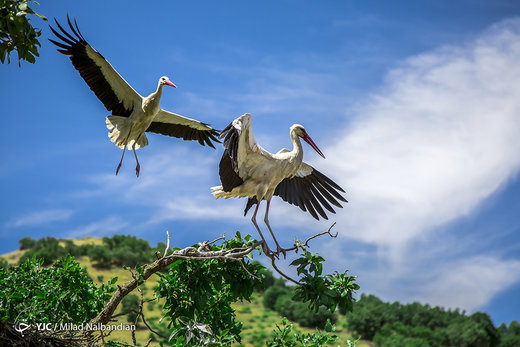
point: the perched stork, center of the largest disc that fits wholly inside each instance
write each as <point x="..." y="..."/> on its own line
<point x="132" y="114"/>
<point x="248" y="170"/>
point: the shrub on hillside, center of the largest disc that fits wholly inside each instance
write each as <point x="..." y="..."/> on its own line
<point x="272" y="294"/>
<point x="101" y="256"/>
<point x="47" y="249"/>
<point x="128" y="250"/>
<point x="75" y="250"/>
<point x="26" y="243"/>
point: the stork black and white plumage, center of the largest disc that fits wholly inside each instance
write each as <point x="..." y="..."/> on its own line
<point x="132" y="114"/>
<point x="248" y="170"/>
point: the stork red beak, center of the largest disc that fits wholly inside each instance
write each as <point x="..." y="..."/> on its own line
<point x="308" y="139"/>
<point x="170" y="84"/>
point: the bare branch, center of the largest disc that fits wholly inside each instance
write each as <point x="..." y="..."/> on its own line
<point x="167" y="244"/>
<point x="223" y="237"/>
<point x="279" y="271"/>
<point x="306" y="243"/>
<point x="273" y="256"/>
<point x="205" y="246"/>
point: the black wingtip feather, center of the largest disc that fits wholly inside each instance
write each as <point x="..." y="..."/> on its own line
<point x="77" y="49"/>
<point x="80" y="35"/>
<point x="71" y="26"/>
<point x="74" y="39"/>
<point x="184" y="132"/>
<point x="59" y="44"/>
<point x="311" y="193"/>
<point x="61" y="37"/>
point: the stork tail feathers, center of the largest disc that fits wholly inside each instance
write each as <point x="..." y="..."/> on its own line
<point x="218" y="192"/>
<point x="118" y="130"/>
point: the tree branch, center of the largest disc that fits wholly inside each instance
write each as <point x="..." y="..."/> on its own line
<point x="189" y="253"/>
<point x="273" y="256"/>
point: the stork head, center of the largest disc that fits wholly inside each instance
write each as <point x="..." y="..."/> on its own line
<point x="300" y="131"/>
<point x="165" y="80"/>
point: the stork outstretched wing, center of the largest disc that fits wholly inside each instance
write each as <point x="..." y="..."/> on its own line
<point x="172" y="124"/>
<point x="113" y="91"/>
<point x="310" y="190"/>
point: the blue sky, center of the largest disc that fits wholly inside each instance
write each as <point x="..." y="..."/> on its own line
<point x="416" y="107"/>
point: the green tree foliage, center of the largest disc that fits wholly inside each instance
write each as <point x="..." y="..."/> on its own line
<point x="27" y="243"/>
<point x="75" y="250"/>
<point x="273" y="293"/>
<point x="61" y="293"/>
<point x="510" y="336"/>
<point x="280" y="298"/>
<point x="47" y="249"/>
<point x="284" y="336"/>
<point x="332" y="291"/>
<point x="101" y="256"/>
<point x="419" y="325"/>
<point x="127" y="250"/>
<point x="369" y="316"/>
<point x="198" y="296"/>
<point x="311" y="303"/>
<point x="16" y="32"/>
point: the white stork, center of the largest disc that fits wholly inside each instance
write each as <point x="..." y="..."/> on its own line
<point x="248" y="170"/>
<point x="132" y="114"/>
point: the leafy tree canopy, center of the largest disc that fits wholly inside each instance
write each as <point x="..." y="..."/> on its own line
<point x="16" y="32"/>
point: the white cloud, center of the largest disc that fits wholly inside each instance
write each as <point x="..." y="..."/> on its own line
<point x="40" y="217"/>
<point x="441" y="136"/>
<point x="477" y="279"/>
<point x="196" y="207"/>
<point x="104" y="227"/>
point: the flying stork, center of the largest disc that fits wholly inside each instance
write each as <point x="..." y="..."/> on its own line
<point x="248" y="170"/>
<point x="132" y="114"/>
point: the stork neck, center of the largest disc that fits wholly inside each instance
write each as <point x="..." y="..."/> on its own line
<point x="297" y="145"/>
<point x="151" y="103"/>
<point x="158" y="92"/>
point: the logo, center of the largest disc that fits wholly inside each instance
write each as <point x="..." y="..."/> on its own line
<point x="21" y="327"/>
